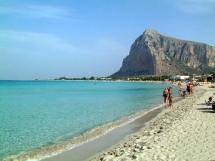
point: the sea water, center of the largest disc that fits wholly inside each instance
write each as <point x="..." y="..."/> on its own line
<point x="35" y="114"/>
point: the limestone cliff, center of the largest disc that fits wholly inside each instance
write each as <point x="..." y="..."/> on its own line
<point x="155" y="54"/>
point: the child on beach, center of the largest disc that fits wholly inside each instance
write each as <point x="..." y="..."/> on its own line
<point x="180" y="93"/>
<point x="171" y="99"/>
<point x="209" y="101"/>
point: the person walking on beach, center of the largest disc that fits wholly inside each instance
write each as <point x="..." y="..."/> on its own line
<point x="188" y="88"/>
<point x="165" y="95"/>
<point x="171" y="99"/>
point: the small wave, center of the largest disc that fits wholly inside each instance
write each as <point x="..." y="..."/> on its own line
<point x="88" y="136"/>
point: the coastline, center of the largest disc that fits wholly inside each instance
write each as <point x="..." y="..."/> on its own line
<point x="126" y="136"/>
<point x="183" y="133"/>
<point x="60" y="147"/>
<point x="109" y="140"/>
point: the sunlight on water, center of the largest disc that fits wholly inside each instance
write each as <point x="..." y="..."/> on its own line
<point x="37" y="114"/>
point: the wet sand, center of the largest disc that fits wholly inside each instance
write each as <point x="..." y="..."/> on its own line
<point x="186" y="132"/>
<point x="91" y="149"/>
<point x="95" y="141"/>
<point x="183" y="132"/>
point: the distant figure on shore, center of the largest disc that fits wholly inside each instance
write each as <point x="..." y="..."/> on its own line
<point x="171" y="99"/>
<point x="184" y="94"/>
<point x="191" y="88"/>
<point x="188" y="89"/>
<point x="170" y="90"/>
<point x="165" y="95"/>
<point x="209" y="101"/>
<point x="180" y="93"/>
<point x="179" y="84"/>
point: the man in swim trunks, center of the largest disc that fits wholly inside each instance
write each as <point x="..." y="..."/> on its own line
<point x="165" y="95"/>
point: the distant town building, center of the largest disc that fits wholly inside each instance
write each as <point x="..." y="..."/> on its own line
<point x="106" y="78"/>
<point x="179" y="77"/>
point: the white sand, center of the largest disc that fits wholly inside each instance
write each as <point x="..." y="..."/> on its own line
<point x="186" y="132"/>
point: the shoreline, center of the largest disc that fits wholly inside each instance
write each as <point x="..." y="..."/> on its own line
<point x="111" y="138"/>
<point x="67" y="146"/>
<point x="141" y="138"/>
<point x="61" y="147"/>
<point x="186" y="132"/>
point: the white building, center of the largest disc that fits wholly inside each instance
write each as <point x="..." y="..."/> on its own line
<point x="179" y="77"/>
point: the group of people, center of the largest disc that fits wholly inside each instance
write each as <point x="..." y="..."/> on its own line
<point x="189" y="90"/>
<point x="168" y="98"/>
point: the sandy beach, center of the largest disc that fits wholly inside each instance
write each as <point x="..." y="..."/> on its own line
<point x="185" y="132"/>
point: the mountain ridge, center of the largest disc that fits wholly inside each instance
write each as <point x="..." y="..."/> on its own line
<point x="155" y="54"/>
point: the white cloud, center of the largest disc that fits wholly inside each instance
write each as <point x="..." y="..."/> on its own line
<point x="196" y="6"/>
<point x="39" y="11"/>
<point x="26" y="55"/>
<point x="33" y="41"/>
<point x="29" y="55"/>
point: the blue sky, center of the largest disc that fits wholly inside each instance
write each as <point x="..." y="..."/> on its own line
<point x="42" y="39"/>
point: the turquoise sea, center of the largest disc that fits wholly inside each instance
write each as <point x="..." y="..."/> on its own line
<point x="38" y="114"/>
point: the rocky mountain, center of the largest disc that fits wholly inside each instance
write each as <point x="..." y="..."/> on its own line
<point x="155" y="54"/>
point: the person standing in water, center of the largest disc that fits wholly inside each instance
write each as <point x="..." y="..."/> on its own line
<point x="165" y="95"/>
<point x="171" y="99"/>
<point x="170" y="90"/>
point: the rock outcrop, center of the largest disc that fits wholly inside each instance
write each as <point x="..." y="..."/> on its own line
<point x="155" y="54"/>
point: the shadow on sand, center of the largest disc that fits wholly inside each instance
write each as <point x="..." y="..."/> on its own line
<point x="203" y="109"/>
<point x="206" y="110"/>
<point x="201" y="104"/>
